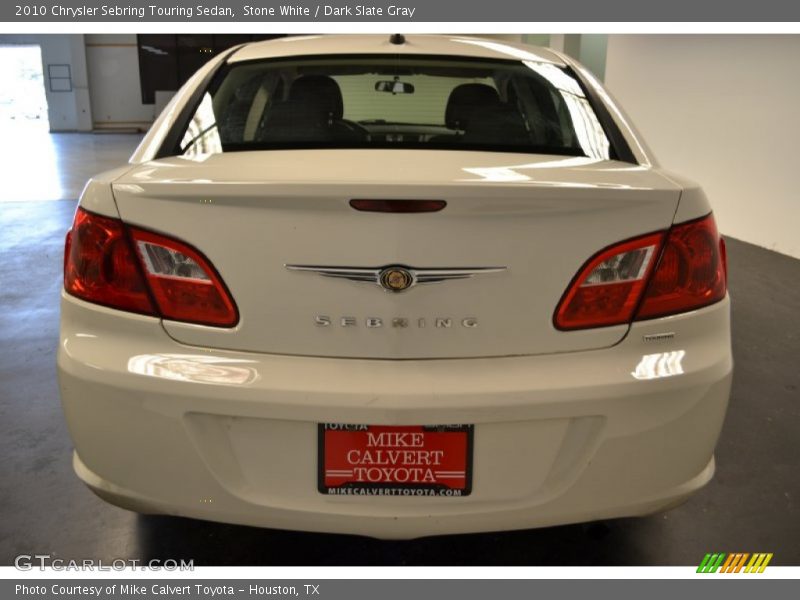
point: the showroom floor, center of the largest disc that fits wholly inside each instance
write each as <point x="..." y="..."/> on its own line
<point x="752" y="505"/>
<point x="56" y="167"/>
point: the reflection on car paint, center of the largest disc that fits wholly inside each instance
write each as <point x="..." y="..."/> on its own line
<point x="661" y="364"/>
<point x="194" y="368"/>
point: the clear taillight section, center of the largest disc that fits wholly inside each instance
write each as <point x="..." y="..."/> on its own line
<point x="184" y="284"/>
<point x="607" y="289"/>
<point x="651" y="276"/>
<point x="131" y="269"/>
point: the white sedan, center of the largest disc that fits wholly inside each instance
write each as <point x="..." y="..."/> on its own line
<point x="394" y="286"/>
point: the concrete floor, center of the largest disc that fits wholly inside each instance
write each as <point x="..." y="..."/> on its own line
<point x="56" y="166"/>
<point x="753" y="503"/>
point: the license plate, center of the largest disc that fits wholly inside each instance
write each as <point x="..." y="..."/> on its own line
<point x="390" y="460"/>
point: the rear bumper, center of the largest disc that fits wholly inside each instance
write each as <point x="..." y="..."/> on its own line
<point x="226" y="436"/>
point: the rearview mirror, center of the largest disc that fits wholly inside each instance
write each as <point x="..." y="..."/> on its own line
<point x="394" y="87"/>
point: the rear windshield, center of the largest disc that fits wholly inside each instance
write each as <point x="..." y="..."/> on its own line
<point x="395" y="102"/>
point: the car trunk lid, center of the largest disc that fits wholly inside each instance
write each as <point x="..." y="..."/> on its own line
<point x="530" y="221"/>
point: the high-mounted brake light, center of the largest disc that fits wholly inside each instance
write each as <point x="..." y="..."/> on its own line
<point x="651" y="276"/>
<point x="136" y="270"/>
<point x="398" y="206"/>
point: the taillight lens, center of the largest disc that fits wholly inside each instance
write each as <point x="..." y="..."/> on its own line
<point x="683" y="272"/>
<point x="100" y="267"/>
<point x="609" y="286"/>
<point x="136" y="270"/>
<point x="692" y="272"/>
<point x="184" y="285"/>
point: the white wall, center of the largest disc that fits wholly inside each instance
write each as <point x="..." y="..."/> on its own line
<point x="67" y="111"/>
<point x="592" y="53"/>
<point x="113" y="64"/>
<point x="589" y="49"/>
<point x="722" y="110"/>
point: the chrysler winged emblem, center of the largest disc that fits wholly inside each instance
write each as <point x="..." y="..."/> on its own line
<point x="395" y="278"/>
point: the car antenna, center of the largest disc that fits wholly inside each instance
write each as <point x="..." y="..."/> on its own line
<point x="397" y="39"/>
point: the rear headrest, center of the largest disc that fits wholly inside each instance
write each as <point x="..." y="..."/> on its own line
<point x="465" y="99"/>
<point x="319" y="91"/>
<point x="500" y="125"/>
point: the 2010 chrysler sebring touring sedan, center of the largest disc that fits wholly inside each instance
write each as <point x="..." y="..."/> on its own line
<point x="394" y="286"/>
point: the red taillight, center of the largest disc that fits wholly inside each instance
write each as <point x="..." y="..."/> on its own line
<point x="185" y="286"/>
<point x="608" y="287"/>
<point x="691" y="273"/>
<point x="100" y="266"/>
<point x="688" y="272"/>
<point x="161" y="277"/>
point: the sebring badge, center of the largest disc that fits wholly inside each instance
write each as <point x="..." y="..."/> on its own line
<point x="396" y="278"/>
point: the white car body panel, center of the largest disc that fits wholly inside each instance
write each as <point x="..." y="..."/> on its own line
<point x="432" y="45"/>
<point x="222" y="423"/>
<point x="279" y="212"/>
<point x="231" y="436"/>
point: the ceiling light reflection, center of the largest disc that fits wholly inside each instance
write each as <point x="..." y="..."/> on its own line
<point x="556" y="77"/>
<point x="194" y="368"/>
<point x="645" y="160"/>
<point x="496" y="174"/>
<point x="511" y="51"/>
<point x="202" y="137"/>
<point x="662" y="364"/>
<point x="590" y="134"/>
<point x="513" y="172"/>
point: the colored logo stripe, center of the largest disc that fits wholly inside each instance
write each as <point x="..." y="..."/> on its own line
<point x="734" y="562"/>
<point x="758" y="563"/>
<point x="711" y="563"/>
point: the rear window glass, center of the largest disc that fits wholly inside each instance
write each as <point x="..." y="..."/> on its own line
<point x="395" y="102"/>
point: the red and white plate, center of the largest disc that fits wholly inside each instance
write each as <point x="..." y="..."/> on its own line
<point x="395" y="460"/>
